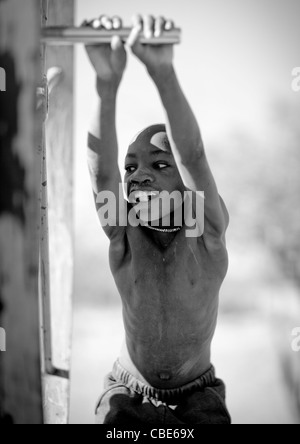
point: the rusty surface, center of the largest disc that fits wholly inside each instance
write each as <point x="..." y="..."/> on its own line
<point x="20" y="381"/>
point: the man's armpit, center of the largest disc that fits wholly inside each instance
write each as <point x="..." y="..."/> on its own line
<point x="215" y="233"/>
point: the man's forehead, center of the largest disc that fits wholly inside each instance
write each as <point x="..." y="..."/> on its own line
<point x="153" y="137"/>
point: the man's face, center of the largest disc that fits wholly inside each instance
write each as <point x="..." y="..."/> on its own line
<point x="150" y="165"/>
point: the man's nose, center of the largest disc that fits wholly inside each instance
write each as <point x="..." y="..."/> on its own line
<point x="142" y="178"/>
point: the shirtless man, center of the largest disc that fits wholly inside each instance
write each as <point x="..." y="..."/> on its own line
<point x="169" y="282"/>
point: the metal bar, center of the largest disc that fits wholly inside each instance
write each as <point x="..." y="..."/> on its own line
<point x="70" y="35"/>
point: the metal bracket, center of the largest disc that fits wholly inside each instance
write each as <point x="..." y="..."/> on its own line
<point x="49" y="82"/>
<point x="43" y="98"/>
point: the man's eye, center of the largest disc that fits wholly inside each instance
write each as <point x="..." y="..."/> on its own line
<point x="161" y="166"/>
<point x="130" y="169"/>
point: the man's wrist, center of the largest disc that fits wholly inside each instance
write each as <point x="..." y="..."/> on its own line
<point x="162" y="74"/>
<point x="107" y="89"/>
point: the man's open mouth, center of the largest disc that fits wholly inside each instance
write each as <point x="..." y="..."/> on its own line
<point x="137" y="197"/>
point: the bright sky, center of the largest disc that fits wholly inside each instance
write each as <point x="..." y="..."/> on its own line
<point x="235" y="61"/>
<point x="236" y="57"/>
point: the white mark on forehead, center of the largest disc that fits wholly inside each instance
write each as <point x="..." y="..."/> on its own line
<point x="160" y="140"/>
<point x="149" y="137"/>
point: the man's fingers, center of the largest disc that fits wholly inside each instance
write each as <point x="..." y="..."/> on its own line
<point x="96" y="24"/>
<point x="106" y="22"/>
<point x="116" y="44"/>
<point x="137" y="20"/>
<point x="169" y="25"/>
<point x="159" y="26"/>
<point x="117" y="22"/>
<point x="133" y="39"/>
<point x="149" y="26"/>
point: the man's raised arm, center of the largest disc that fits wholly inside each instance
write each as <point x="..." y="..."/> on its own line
<point x="109" y="62"/>
<point x="183" y="129"/>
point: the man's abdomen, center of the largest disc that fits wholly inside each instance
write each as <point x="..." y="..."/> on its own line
<point x="168" y="346"/>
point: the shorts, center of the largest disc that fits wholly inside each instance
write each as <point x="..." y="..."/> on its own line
<point x="127" y="401"/>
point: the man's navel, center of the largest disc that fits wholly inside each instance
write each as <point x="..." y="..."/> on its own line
<point x="165" y="376"/>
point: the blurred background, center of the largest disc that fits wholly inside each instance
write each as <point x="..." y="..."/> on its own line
<point x="235" y="65"/>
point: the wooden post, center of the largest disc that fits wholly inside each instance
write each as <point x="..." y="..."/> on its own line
<point x="20" y="376"/>
<point x="58" y="187"/>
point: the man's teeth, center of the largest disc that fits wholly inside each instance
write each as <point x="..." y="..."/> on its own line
<point x="143" y="196"/>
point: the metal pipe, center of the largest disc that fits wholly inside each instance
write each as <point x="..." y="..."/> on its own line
<point x="85" y="35"/>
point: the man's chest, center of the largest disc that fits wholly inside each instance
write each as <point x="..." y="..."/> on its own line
<point x="184" y="267"/>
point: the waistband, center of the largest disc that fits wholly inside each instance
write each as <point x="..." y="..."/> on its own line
<point x="123" y="376"/>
